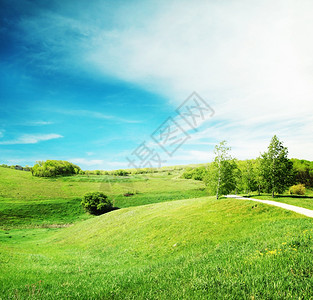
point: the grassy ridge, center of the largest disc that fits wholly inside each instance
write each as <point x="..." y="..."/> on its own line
<point x="21" y="185"/>
<point x="198" y="248"/>
<point x="27" y="201"/>
<point x="40" y="213"/>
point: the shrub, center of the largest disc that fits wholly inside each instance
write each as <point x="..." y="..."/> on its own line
<point x="120" y="173"/>
<point x="129" y="194"/>
<point x="96" y="203"/>
<point x="196" y="173"/>
<point x="298" y="189"/>
<point x="52" y="168"/>
<point x="188" y="173"/>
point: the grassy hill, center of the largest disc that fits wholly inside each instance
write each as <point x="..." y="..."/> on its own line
<point x="26" y="201"/>
<point x="197" y="248"/>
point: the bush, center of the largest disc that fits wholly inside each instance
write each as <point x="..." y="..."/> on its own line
<point x="52" y="168"/>
<point x="96" y="203"/>
<point x="120" y="173"/>
<point x="298" y="189"/>
<point x="196" y="173"/>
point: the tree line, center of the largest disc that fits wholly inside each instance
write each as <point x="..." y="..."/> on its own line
<point x="272" y="172"/>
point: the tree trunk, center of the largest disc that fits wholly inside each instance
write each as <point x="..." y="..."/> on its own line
<point x="272" y="193"/>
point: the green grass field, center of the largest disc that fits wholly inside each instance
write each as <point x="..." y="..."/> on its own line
<point x="197" y="248"/>
<point x="27" y="201"/>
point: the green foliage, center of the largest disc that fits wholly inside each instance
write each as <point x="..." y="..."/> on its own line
<point x="248" y="180"/>
<point x="120" y="173"/>
<point x="195" y="173"/>
<point x="16" y="167"/>
<point x="53" y="168"/>
<point x="303" y="170"/>
<point x="96" y="203"/>
<point x="4" y="166"/>
<point x="276" y="168"/>
<point x="298" y="189"/>
<point x="221" y="176"/>
<point x="187" y="173"/>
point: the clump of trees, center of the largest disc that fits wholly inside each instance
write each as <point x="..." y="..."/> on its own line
<point x="273" y="172"/>
<point x="96" y="203"/>
<point x="303" y="171"/>
<point x="120" y="172"/>
<point x="16" y="167"/>
<point x="52" y="168"/>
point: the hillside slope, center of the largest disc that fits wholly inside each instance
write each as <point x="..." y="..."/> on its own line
<point x="27" y="201"/>
<point x="198" y="248"/>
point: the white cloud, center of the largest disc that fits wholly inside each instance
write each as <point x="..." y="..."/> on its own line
<point x="38" y="123"/>
<point x="96" y="115"/>
<point x="253" y="64"/>
<point x="252" y="61"/>
<point x="32" y="139"/>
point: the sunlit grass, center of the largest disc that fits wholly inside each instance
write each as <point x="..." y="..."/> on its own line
<point x="196" y="249"/>
<point x="297" y="201"/>
<point x="153" y="247"/>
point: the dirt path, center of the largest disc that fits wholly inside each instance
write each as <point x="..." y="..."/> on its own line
<point x="297" y="209"/>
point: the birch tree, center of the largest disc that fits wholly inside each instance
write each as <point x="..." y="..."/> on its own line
<point x="221" y="174"/>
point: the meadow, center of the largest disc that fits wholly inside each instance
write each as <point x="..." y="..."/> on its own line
<point x="167" y="241"/>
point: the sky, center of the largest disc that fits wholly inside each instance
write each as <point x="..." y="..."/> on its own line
<point x="99" y="83"/>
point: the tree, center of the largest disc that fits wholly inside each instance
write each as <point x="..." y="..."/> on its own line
<point x="96" y="203"/>
<point x="258" y="175"/>
<point x="221" y="177"/>
<point x="276" y="168"/>
<point x="248" y="176"/>
<point x="52" y="168"/>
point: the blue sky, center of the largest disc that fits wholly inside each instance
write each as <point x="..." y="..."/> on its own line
<point x="90" y="81"/>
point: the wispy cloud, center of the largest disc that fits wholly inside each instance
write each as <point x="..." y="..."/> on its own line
<point x="256" y="75"/>
<point x="37" y="123"/>
<point x="31" y="139"/>
<point x="96" y="115"/>
<point x="253" y="63"/>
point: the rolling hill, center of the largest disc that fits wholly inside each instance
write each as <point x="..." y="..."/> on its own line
<point x="197" y="248"/>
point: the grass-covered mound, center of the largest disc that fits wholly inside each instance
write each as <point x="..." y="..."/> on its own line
<point x="193" y="249"/>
